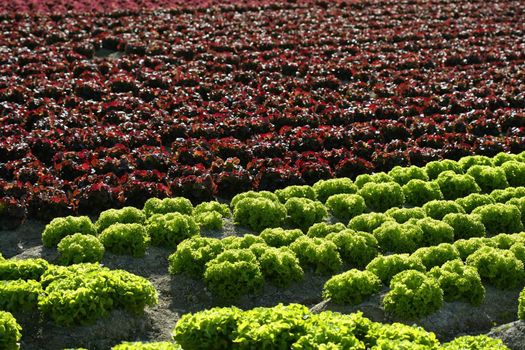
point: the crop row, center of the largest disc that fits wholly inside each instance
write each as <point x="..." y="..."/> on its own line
<point x="419" y="283"/>
<point x="105" y="110"/>
<point x="75" y="294"/>
<point x="398" y="230"/>
<point x="285" y="327"/>
<point x="236" y="266"/>
<point x="295" y="327"/>
<point x="130" y="230"/>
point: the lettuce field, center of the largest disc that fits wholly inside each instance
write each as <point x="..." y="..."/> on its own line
<point x="268" y="174"/>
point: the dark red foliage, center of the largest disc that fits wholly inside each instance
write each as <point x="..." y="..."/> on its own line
<point x="211" y="97"/>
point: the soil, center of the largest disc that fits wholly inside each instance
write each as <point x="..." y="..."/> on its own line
<point x="181" y="294"/>
<point x="512" y="334"/>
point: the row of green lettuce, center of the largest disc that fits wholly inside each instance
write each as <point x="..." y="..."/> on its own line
<point x="69" y="295"/>
<point x="418" y="283"/>
<point x="324" y="246"/>
<point x="169" y="221"/>
<point x="284" y="327"/>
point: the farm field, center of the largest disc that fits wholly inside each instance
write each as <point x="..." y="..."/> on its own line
<point x="262" y="174"/>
